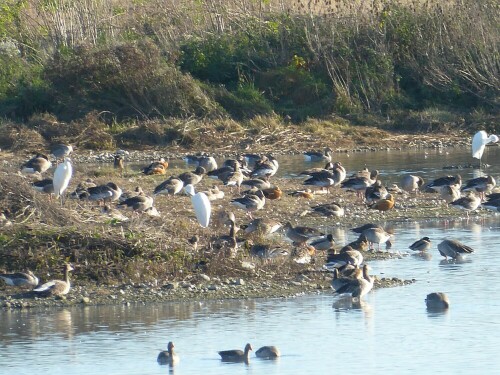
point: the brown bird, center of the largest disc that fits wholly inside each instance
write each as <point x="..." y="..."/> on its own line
<point x="119" y="163"/>
<point x="273" y="193"/>
<point x="56" y="287"/>
<point x="385" y="204"/>
<point x="236" y="355"/>
<point x="168" y="357"/>
<point x="307" y="194"/>
<point x="156" y="167"/>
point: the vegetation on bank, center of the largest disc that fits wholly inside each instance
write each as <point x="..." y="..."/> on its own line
<point x="155" y="65"/>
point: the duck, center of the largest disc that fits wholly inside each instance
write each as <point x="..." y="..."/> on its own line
<point x="328" y="210"/>
<point x="44" y="186"/>
<point x="468" y="203"/>
<point x="22" y="279"/>
<point x="318" y="155"/>
<point x="38" y="164"/>
<point x="107" y="193"/>
<point x="306" y="194"/>
<point x="449" y="193"/>
<point x="272" y="193"/>
<point x="156" y="167"/>
<point x="437" y="301"/>
<point x="453" y="249"/>
<point x="192" y="178"/>
<point x="119" y="163"/>
<point x="171" y="186"/>
<point x="384" y="204"/>
<point x="262" y="226"/>
<point x="268" y="352"/>
<point x="236" y="355"/>
<point x="376" y="235"/>
<point x="481" y="185"/>
<point x="250" y="202"/>
<point x="300" y="234"/>
<point x="411" y="183"/>
<point x="357" y="288"/>
<point x="56" y="288"/>
<point x="267" y="167"/>
<point x="438" y="184"/>
<point x="60" y="151"/>
<point x="421" y="245"/>
<point x="323" y="242"/>
<point x="359" y="184"/>
<point x="168" y="357"/>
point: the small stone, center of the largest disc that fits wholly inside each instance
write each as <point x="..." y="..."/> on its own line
<point x="122" y="292"/>
<point x="239" y="282"/>
<point x="212" y="287"/>
<point x="247" y="265"/>
<point x="204" y="277"/>
<point x="85" y="300"/>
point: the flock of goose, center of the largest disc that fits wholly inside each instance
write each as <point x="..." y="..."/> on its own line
<point x="350" y="274"/>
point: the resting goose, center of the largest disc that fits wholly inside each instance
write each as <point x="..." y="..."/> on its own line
<point x="467" y="203"/>
<point x="411" y="183"/>
<point x="38" y="164"/>
<point x="171" y="186"/>
<point x="357" y="288"/>
<point x="268" y="352"/>
<point x="20" y="279"/>
<point x="326" y="155"/>
<point x="56" y="287"/>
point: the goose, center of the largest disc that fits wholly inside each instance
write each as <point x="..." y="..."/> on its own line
<point x="328" y="210"/>
<point x="228" y="243"/>
<point x="359" y="184"/>
<point x="156" y="167"/>
<point x="38" y="164"/>
<point x="300" y="235"/>
<point x="357" y="288"/>
<point x="106" y="193"/>
<point x="360" y="244"/>
<point x="493" y="205"/>
<point x="258" y="183"/>
<point x="482" y="185"/>
<point x="376" y="235"/>
<point x="268" y="167"/>
<point x="27" y="278"/>
<point x="262" y="226"/>
<point x="362" y="228"/>
<point x="411" y="183"/>
<point x="130" y="194"/>
<point x="168" y="357"/>
<point x="339" y="173"/>
<point x="250" y="202"/>
<point x="313" y="171"/>
<point x="384" y="204"/>
<point x="56" y="287"/>
<point x="268" y="352"/>
<point x="60" y="151"/>
<point x="139" y="203"/>
<point x="214" y="193"/>
<point x="421" y="245"/>
<point x="437" y="301"/>
<point x="235" y="178"/>
<point x="493" y="197"/>
<point x="375" y="192"/>
<point x="449" y="193"/>
<point x="479" y="142"/>
<point x="113" y="213"/>
<point x="438" y="184"/>
<point x="453" y="249"/>
<point x="346" y="257"/>
<point x="44" y="186"/>
<point x="318" y="155"/>
<point x="236" y="355"/>
<point x="170" y="186"/>
<point x="207" y="162"/>
<point x="467" y="203"/>
<point x="81" y="189"/>
<point x="192" y="178"/>
<point x="323" y="180"/>
<point x="323" y="242"/>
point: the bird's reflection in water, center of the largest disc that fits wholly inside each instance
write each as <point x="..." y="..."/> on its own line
<point x="422" y="256"/>
<point x="347" y="303"/>
<point x="453" y="264"/>
<point x="436" y="313"/>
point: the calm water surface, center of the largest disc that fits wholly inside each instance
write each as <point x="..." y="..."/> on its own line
<point x="390" y="333"/>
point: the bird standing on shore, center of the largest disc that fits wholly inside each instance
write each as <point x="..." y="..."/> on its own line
<point x="62" y="176"/>
<point x="38" y="164"/>
<point x="56" y="287"/>
<point x="479" y="142"/>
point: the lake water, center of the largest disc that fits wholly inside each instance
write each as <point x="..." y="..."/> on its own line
<point x="390" y="333"/>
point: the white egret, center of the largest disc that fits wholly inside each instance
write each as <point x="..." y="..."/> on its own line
<point x="62" y="175"/>
<point x="201" y="204"/>
<point x="479" y="141"/>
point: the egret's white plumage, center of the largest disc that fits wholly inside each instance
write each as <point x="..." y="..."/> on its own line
<point x="201" y="205"/>
<point x="479" y="141"/>
<point x="62" y="175"/>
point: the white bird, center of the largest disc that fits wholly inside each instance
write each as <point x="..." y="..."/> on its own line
<point x="62" y="175"/>
<point x="201" y="204"/>
<point x="479" y="141"/>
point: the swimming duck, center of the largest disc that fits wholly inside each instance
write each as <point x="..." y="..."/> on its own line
<point x="156" y="167"/>
<point x="170" y="186"/>
<point x="482" y="185"/>
<point x="376" y="235"/>
<point x="437" y="301"/>
<point x="385" y="204"/>
<point x="168" y="357"/>
<point x="328" y="209"/>
<point x="467" y="203"/>
<point x="56" y="287"/>
<point x="438" y="184"/>
<point x="27" y="278"/>
<point x="250" y="202"/>
<point x="236" y="355"/>
<point x="411" y="183"/>
<point x="453" y="249"/>
<point x="300" y="235"/>
<point x="318" y="155"/>
<point x="38" y="164"/>
<point x="421" y="245"/>
<point x="192" y="178"/>
<point x="357" y="288"/>
<point x="268" y="352"/>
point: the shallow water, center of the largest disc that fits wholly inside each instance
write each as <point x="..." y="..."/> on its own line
<point x="391" y="332"/>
